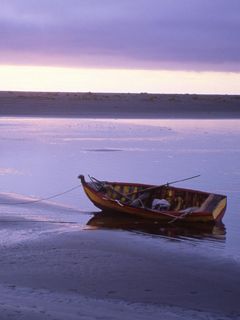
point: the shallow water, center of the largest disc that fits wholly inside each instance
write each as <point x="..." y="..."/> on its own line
<point x="43" y="157"/>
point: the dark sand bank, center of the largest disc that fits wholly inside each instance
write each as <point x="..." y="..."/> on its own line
<point x="87" y="265"/>
<point x="104" y="105"/>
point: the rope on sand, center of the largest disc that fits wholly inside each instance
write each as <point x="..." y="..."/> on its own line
<point x="41" y="199"/>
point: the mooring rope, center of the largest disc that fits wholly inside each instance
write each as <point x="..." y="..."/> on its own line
<point x="41" y="199"/>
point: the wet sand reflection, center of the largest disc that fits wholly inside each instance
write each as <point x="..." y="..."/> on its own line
<point x="177" y="230"/>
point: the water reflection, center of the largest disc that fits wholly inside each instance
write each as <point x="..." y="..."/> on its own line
<point x="175" y="230"/>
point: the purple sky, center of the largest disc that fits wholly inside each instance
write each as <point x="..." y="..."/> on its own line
<point x="150" y="34"/>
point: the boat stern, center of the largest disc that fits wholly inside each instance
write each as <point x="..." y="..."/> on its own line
<point x="216" y="205"/>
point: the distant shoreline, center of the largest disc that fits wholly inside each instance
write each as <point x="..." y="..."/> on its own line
<point x="118" y="105"/>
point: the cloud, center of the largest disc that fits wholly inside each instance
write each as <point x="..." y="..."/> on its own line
<point x="147" y="34"/>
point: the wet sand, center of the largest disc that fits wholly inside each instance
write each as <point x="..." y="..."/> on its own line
<point x="103" y="105"/>
<point x="88" y="274"/>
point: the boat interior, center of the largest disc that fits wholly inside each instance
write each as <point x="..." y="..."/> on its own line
<point x="134" y="195"/>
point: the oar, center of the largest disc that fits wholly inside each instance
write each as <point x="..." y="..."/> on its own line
<point x="163" y="185"/>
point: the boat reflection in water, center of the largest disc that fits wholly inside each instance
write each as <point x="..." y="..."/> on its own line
<point x="178" y="230"/>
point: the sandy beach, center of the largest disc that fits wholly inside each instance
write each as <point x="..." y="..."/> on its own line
<point x="104" y="105"/>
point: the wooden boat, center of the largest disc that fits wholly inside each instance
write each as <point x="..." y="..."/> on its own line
<point x="165" y="203"/>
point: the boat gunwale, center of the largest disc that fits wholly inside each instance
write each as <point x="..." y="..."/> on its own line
<point x="164" y="185"/>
